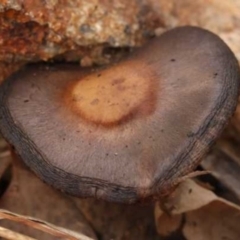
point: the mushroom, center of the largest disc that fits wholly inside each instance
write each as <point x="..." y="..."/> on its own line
<point x="128" y="132"/>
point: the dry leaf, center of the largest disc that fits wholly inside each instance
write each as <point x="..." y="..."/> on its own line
<point x="199" y="213"/>
<point x="216" y="221"/>
<point x="58" y="232"/>
<point x="11" y="235"/>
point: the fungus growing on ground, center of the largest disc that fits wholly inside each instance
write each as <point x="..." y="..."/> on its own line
<point x="128" y="132"/>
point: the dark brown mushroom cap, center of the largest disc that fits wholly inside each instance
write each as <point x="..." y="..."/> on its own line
<point x="127" y="132"/>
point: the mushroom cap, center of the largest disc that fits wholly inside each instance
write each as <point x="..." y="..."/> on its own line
<point x="127" y="132"/>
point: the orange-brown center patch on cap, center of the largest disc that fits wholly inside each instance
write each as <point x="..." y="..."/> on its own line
<point x="114" y="96"/>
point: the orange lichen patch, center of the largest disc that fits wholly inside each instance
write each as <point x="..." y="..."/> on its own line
<point x="113" y="96"/>
<point x="22" y="37"/>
